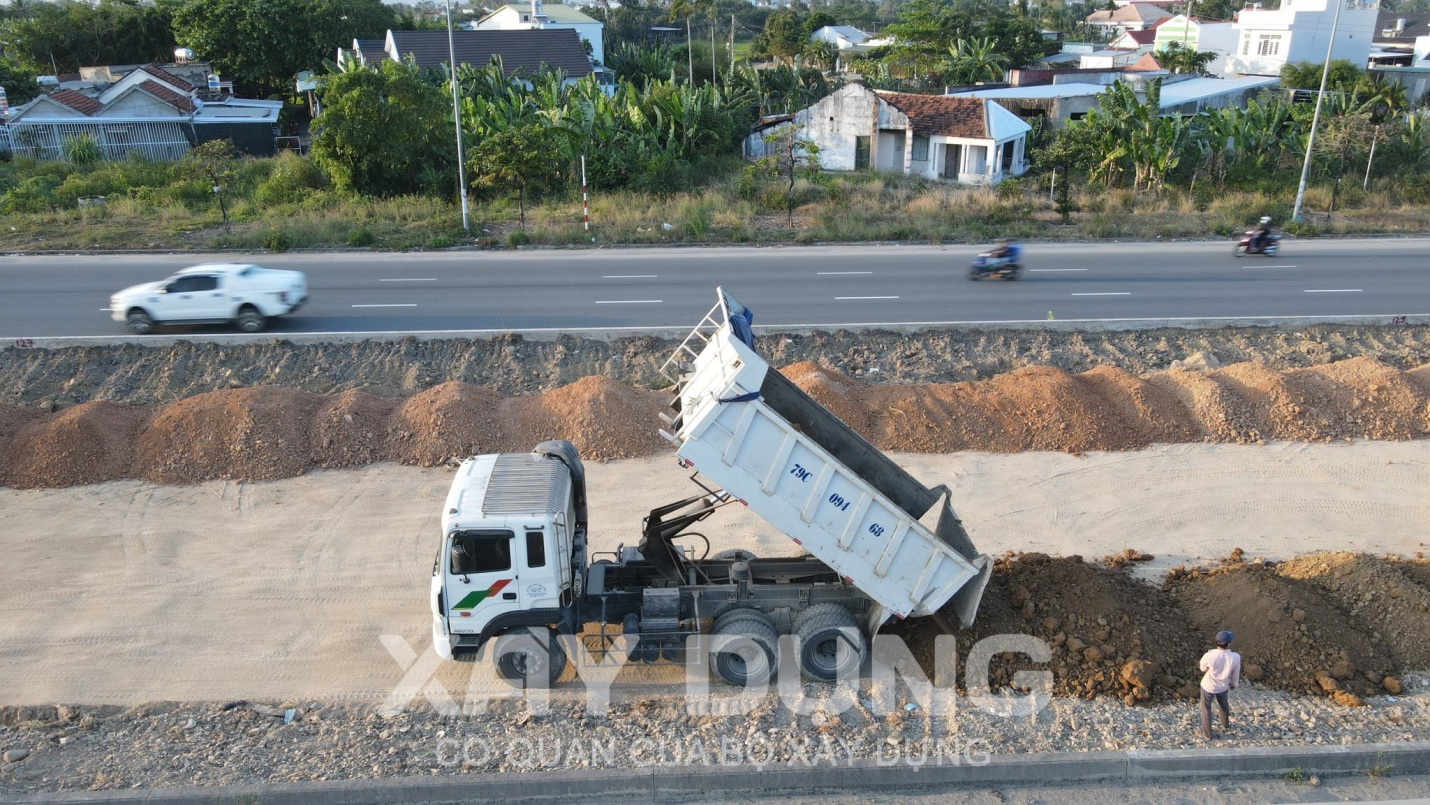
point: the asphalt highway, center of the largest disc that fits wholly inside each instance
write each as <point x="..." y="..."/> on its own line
<point x="617" y="290"/>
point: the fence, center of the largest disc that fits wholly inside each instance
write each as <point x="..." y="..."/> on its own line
<point x="159" y="141"/>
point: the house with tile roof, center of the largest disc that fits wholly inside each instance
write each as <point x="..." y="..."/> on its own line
<point x="536" y="15"/>
<point x="965" y="140"/>
<point x="145" y="110"/>
<point x="521" y="52"/>
<point x="1129" y="17"/>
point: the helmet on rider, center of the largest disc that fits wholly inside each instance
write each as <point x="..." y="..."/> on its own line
<point x="1265" y="220"/>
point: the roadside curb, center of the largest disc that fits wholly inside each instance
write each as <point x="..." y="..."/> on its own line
<point x="668" y="782"/>
<point x="676" y="331"/>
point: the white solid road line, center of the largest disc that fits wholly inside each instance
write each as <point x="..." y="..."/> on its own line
<point x="1279" y="266"/>
<point x="1055" y="269"/>
<point x="839" y="273"/>
<point x="408" y="305"/>
<point x="848" y="298"/>
<point x="1336" y="290"/>
<point x="1108" y="293"/>
<point x="412" y="279"/>
<point x="631" y="302"/>
<point x="629" y="276"/>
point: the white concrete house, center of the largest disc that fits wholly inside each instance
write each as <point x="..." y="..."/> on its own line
<point x="843" y="37"/>
<point x="1300" y="31"/>
<point x="964" y="140"/>
<point x="1203" y="36"/>
<point x="538" y="15"/>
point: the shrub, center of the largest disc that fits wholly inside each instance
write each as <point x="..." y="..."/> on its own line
<point x="517" y="237"/>
<point x="361" y="238"/>
<point x="277" y="241"/>
<point x="291" y="180"/>
<point x="441" y="242"/>
<point x="82" y="149"/>
<point x="1416" y="189"/>
<point x="31" y="195"/>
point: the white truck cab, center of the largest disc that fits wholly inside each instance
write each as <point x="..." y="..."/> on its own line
<point x="246" y="295"/>
<point x="507" y="557"/>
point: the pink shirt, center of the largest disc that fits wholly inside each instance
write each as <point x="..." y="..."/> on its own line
<point x="1223" y="670"/>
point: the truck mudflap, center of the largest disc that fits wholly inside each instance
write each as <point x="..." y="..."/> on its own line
<point x="762" y="439"/>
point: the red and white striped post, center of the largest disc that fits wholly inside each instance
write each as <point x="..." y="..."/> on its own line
<point x="585" y="210"/>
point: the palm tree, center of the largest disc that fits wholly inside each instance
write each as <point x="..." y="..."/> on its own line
<point x="974" y="61"/>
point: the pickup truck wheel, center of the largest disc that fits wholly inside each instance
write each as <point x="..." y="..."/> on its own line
<point x="139" y="322"/>
<point x="744" y="651"/>
<point x="250" y="320"/>
<point x="830" y="643"/>
<point x="529" y="658"/>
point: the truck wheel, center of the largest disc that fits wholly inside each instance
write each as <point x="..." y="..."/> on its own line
<point x="736" y="612"/>
<point x="830" y="643"/>
<point x="250" y="320"/>
<point x="529" y="658"/>
<point x="744" y="651"/>
<point x="139" y="322"/>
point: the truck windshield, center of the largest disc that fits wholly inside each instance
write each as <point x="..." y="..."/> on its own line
<point x="481" y="552"/>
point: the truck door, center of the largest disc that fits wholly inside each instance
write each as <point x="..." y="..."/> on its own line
<point x="481" y="578"/>
<point x="540" y="584"/>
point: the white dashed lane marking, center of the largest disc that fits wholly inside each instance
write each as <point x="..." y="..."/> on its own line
<point x="630" y="302"/>
<point x="1335" y="290"/>
<point x="404" y="305"/>
<point x="1107" y="293"/>
<point x="848" y="298"/>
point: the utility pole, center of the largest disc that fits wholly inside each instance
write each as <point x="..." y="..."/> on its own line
<point x="1373" y="139"/>
<point x="1316" y="116"/>
<point x="689" y="51"/>
<point x="457" y="118"/>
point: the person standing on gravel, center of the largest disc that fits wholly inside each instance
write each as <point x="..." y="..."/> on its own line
<point x="1221" y="672"/>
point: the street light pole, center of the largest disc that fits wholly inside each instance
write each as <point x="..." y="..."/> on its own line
<point x="1316" y="116"/>
<point x="457" y="117"/>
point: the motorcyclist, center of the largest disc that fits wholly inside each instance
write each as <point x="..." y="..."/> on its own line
<point x="1007" y="250"/>
<point x="1261" y="235"/>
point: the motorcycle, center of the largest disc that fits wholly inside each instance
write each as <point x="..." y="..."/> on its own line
<point x="986" y="266"/>
<point x="1268" y="249"/>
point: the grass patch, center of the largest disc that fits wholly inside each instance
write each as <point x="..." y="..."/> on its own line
<point x="285" y="203"/>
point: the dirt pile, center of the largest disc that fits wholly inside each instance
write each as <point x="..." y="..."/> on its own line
<point x="1292" y="635"/>
<point x="1111" y="634"/>
<point x="1378" y="596"/>
<point x="88" y="444"/>
<point x="267" y="432"/>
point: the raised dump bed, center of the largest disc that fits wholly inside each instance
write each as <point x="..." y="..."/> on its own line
<point x="744" y="426"/>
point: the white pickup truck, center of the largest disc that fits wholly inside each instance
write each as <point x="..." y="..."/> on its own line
<point x="246" y="295"/>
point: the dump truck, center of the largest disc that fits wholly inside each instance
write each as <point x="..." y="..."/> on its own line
<point x="513" y="575"/>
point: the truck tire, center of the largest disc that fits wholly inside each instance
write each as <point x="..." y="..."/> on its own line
<point x="250" y="320"/>
<point x="738" y="612"/>
<point x="745" y="650"/>
<point x="529" y="658"/>
<point x="830" y="643"/>
<point x="139" y="322"/>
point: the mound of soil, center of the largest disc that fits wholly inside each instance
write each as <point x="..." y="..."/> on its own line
<point x="604" y="419"/>
<point x="350" y="430"/>
<point x="267" y="432"/>
<point x="1290" y="632"/>
<point x="87" y="444"/>
<point x="1378" y="595"/>
<point x="1111" y="634"/>
<point x="258" y="434"/>
<point x="449" y="421"/>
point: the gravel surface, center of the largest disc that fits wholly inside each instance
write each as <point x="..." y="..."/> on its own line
<point x="167" y="744"/>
